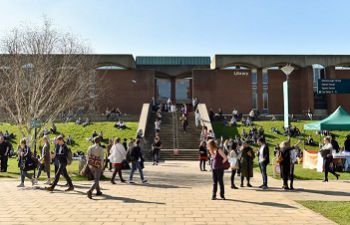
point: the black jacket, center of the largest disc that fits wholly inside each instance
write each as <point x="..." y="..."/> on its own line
<point x="136" y="154"/>
<point x="62" y="157"/>
<point x="266" y="154"/>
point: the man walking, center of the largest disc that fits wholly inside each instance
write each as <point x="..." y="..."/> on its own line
<point x="137" y="162"/>
<point x="95" y="157"/>
<point x="264" y="160"/>
<point x="62" y="155"/>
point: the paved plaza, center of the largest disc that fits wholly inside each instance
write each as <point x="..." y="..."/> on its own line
<point x="177" y="193"/>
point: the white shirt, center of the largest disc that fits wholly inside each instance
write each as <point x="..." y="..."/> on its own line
<point x="118" y="153"/>
<point x="261" y="153"/>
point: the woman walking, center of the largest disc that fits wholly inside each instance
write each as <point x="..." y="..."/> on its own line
<point x="118" y="154"/>
<point x="25" y="162"/>
<point x="219" y="158"/>
<point x="247" y="163"/>
<point x="45" y="160"/>
<point x="203" y="156"/>
<point x="326" y="153"/>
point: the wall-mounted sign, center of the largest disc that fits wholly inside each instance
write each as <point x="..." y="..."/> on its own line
<point x="240" y="73"/>
<point x="333" y="86"/>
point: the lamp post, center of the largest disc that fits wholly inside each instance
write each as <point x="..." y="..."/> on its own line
<point x="287" y="70"/>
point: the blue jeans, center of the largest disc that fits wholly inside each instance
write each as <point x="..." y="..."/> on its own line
<point x="136" y="166"/>
<point x="263" y="172"/>
<point x="25" y="174"/>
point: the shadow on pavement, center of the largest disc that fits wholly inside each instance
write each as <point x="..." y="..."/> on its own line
<point x="272" y="204"/>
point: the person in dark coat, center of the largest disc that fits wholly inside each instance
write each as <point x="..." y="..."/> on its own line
<point x="246" y="163"/>
<point x="63" y="162"/>
<point x="264" y="160"/>
<point x="326" y="153"/>
<point x="4" y="152"/>
<point x="137" y="161"/>
<point x="203" y="155"/>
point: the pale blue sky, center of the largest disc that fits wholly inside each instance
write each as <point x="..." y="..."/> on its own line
<point x="194" y="27"/>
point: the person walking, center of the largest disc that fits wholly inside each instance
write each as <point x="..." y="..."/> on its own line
<point x="219" y="158"/>
<point x="63" y="162"/>
<point x="156" y="146"/>
<point x="25" y="162"/>
<point x="264" y="160"/>
<point x="45" y="160"/>
<point x="234" y="156"/>
<point x="247" y="163"/>
<point x="137" y="162"/>
<point x="117" y="156"/>
<point x="95" y="157"/>
<point x="326" y="153"/>
<point x="4" y="152"/>
<point x="203" y="155"/>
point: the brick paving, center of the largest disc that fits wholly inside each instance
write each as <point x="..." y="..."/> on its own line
<point x="177" y="193"/>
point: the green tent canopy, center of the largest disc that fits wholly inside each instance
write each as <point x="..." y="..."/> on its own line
<point x="338" y="120"/>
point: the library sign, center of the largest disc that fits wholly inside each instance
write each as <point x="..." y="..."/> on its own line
<point x="333" y="86"/>
<point x="240" y="73"/>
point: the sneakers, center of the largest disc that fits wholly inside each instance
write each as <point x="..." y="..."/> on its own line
<point x="99" y="193"/>
<point x="34" y="181"/>
<point x="144" y="181"/>
<point x="113" y="182"/>
<point x="20" y="185"/>
<point x="71" y="188"/>
<point x="131" y="182"/>
<point x="48" y="182"/>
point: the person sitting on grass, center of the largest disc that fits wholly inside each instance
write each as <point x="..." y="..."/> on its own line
<point x="53" y="128"/>
<point x="69" y="140"/>
<point x="86" y="123"/>
<point x="78" y="121"/>
<point x="120" y="125"/>
<point x="233" y="121"/>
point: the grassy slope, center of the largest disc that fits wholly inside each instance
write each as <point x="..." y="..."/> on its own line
<point x="79" y="134"/>
<point x="339" y="212"/>
<point x="273" y="139"/>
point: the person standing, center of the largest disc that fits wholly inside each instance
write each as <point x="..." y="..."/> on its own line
<point x="137" y="162"/>
<point x="264" y="160"/>
<point x="184" y="122"/>
<point x="117" y="156"/>
<point x="219" y="158"/>
<point x="4" y="152"/>
<point x="234" y="156"/>
<point x="203" y="156"/>
<point x="63" y="162"/>
<point x="95" y="157"/>
<point x="45" y="160"/>
<point x="335" y="143"/>
<point x="326" y="153"/>
<point x="25" y="162"/>
<point x="247" y="163"/>
<point x="108" y="153"/>
<point x="157" y="145"/>
<point x="197" y="118"/>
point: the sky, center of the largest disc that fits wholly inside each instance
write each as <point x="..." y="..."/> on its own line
<point x="192" y="27"/>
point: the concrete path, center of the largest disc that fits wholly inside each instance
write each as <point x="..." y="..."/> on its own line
<point x="177" y="193"/>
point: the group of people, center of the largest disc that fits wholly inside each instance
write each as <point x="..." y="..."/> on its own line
<point x="97" y="160"/>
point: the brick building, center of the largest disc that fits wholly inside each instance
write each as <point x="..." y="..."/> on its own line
<point x="226" y="81"/>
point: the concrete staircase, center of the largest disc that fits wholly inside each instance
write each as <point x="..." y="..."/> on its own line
<point x="173" y="137"/>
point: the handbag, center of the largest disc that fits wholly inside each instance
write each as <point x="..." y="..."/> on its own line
<point x="125" y="165"/>
<point x="84" y="172"/>
<point x="95" y="161"/>
<point x="226" y="165"/>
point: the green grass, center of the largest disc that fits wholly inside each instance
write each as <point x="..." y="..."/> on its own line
<point x="274" y="139"/>
<point x="79" y="135"/>
<point x="338" y="211"/>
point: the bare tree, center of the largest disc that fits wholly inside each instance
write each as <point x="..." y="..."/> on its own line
<point x="43" y="73"/>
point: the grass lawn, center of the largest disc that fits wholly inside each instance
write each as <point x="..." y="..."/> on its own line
<point x="274" y="139"/>
<point x="337" y="211"/>
<point x="79" y="135"/>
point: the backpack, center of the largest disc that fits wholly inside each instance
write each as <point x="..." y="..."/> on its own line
<point x="69" y="156"/>
<point x="128" y="155"/>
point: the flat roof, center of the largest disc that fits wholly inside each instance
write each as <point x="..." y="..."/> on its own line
<point x="173" y="60"/>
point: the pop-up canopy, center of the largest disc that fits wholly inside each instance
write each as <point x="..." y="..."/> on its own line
<point x="338" y="120"/>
